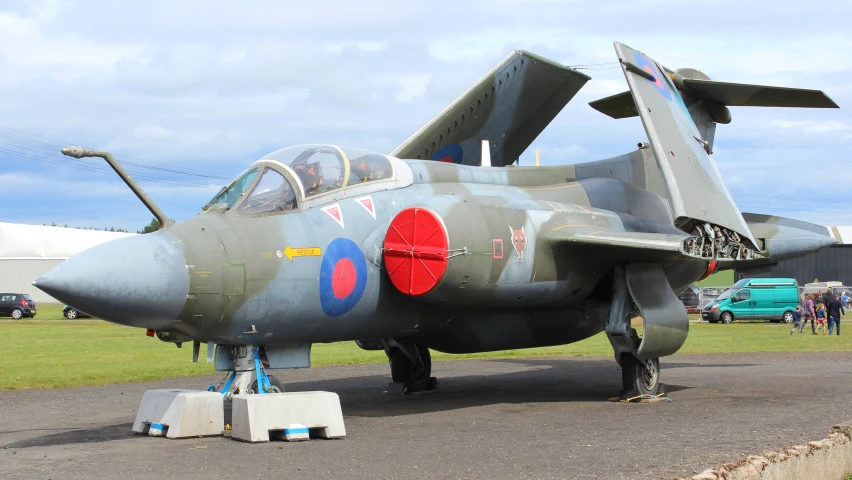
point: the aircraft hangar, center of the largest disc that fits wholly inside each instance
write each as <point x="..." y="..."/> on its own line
<point x="29" y="251"/>
<point x="827" y="265"/>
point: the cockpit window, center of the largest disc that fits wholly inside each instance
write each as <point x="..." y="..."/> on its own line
<point x="321" y="169"/>
<point x="236" y="190"/>
<point x="273" y="193"/>
<point x="369" y="168"/>
<point x="325" y="168"/>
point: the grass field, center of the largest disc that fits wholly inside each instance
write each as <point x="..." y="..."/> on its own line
<point x="52" y="352"/>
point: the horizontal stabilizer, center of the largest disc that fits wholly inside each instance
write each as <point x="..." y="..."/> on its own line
<point x="620" y="105"/>
<point x="744" y="95"/>
<point x="509" y="107"/>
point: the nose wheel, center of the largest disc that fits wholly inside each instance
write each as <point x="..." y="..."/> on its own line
<point x="640" y="376"/>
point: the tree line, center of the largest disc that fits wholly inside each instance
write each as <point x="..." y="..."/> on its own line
<point x="153" y="226"/>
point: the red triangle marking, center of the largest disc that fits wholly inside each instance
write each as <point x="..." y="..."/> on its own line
<point x="334" y="212"/>
<point x="367" y="203"/>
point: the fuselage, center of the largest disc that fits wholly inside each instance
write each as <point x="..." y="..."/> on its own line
<point x="315" y="273"/>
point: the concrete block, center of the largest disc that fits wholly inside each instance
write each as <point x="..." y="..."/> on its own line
<point x="178" y="413"/>
<point x="294" y="433"/>
<point x="255" y="416"/>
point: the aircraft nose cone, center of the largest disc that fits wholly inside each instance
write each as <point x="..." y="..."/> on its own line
<point x="141" y="281"/>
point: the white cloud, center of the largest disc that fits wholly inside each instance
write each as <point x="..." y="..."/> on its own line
<point x="814" y="127"/>
<point x="411" y="87"/>
<point x="213" y="86"/>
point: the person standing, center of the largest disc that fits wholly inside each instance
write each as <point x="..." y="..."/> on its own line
<point x="820" y="321"/>
<point x="829" y="296"/>
<point x="797" y="319"/>
<point x="845" y="299"/>
<point x="808" y="314"/>
<point x="835" y="313"/>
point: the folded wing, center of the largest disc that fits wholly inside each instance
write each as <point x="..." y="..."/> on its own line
<point x="509" y="107"/>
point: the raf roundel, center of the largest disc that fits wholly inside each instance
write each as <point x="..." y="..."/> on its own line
<point x="343" y="277"/>
<point x="644" y="64"/>
<point x="451" y="153"/>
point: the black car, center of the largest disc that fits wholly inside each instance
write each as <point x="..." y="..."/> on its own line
<point x="17" y="305"/>
<point x="71" y="313"/>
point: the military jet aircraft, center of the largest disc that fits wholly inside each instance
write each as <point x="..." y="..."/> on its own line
<point x="446" y="245"/>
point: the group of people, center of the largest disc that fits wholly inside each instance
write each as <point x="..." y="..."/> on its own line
<point x="823" y="310"/>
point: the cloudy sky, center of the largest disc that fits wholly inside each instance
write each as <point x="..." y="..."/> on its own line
<point x="207" y="87"/>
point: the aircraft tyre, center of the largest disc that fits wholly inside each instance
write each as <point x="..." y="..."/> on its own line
<point x="727" y="317"/>
<point x="404" y="371"/>
<point x="641" y="376"/>
<point x="276" y="386"/>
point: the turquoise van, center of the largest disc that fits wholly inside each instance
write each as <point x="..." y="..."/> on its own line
<point x="755" y="298"/>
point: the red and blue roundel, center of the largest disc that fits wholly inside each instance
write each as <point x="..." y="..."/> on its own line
<point x="343" y="277"/>
<point x="451" y="153"/>
<point x="644" y="64"/>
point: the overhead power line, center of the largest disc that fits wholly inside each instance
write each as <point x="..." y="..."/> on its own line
<point x="36" y="147"/>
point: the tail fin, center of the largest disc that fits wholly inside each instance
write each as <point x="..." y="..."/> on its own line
<point x="700" y="202"/>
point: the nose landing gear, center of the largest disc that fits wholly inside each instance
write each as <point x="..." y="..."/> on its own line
<point x="252" y="379"/>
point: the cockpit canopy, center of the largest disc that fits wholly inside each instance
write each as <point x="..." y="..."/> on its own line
<point x="304" y="172"/>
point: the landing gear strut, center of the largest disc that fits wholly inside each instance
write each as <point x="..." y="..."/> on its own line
<point x="638" y="376"/>
<point x="411" y="367"/>
<point x="250" y="364"/>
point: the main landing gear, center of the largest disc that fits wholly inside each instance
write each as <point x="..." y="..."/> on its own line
<point x="640" y="373"/>
<point x="411" y="367"/>
<point x="640" y="377"/>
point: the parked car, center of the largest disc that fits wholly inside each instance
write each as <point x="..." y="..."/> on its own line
<point x="761" y="298"/>
<point x="71" y="313"/>
<point x="17" y="305"/>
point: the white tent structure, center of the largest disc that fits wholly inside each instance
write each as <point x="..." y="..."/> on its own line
<point x="28" y="251"/>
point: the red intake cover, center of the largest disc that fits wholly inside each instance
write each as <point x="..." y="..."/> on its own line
<point x="415" y="251"/>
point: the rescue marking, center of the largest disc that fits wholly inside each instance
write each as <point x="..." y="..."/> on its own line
<point x="334" y="212"/>
<point x="497" y="248"/>
<point x="343" y="277"/>
<point x="367" y="203"/>
<point x="519" y="241"/>
<point x="301" y="252"/>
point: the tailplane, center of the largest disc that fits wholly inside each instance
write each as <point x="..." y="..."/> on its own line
<point x="708" y="100"/>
